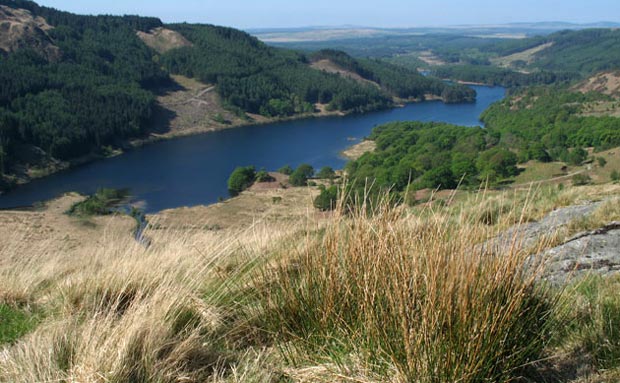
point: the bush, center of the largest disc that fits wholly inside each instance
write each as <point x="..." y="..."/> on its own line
<point x="615" y="176"/>
<point x="576" y="156"/>
<point x="241" y="179"/>
<point x="286" y="170"/>
<point x="601" y="161"/>
<point x="263" y="176"/>
<point x="326" y="173"/>
<point x="327" y="199"/>
<point x="301" y="175"/>
<point x="100" y="203"/>
<point x="581" y="179"/>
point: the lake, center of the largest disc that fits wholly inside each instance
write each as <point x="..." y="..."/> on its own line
<point x="193" y="170"/>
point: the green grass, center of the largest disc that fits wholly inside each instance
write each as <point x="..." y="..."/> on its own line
<point x="539" y="171"/>
<point x="15" y="323"/>
<point x="595" y="323"/>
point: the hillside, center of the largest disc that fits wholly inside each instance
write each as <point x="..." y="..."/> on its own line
<point x="402" y="83"/>
<point x="585" y="52"/>
<point x="74" y="88"/>
<point x="232" y="292"/>
<point x="22" y="30"/>
<point x="607" y="83"/>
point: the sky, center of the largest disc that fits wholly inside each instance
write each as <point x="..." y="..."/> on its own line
<point x="378" y="13"/>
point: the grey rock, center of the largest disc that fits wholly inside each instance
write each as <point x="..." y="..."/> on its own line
<point x="596" y="251"/>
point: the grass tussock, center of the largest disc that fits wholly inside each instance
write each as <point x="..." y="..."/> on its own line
<point x="416" y="296"/>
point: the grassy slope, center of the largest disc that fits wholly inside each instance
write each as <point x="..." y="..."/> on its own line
<point x="188" y="305"/>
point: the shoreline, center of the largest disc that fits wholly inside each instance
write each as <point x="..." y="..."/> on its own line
<point x="130" y="144"/>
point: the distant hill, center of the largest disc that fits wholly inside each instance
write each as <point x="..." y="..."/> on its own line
<point x="296" y="37"/>
<point x="586" y="51"/>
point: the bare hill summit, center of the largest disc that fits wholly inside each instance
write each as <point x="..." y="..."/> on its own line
<point x="19" y="29"/>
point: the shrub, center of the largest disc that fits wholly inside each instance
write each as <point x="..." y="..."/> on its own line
<point x="327" y="199"/>
<point x="263" y="176"/>
<point x="581" y="179"/>
<point x="326" y="173"/>
<point x="241" y="179"/>
<point x="615" y="176"/>
<point x="286" y="170"/>
<point x="301" y="175"/>
<point x="601" y="161"/>
<point x="100" y="203"/>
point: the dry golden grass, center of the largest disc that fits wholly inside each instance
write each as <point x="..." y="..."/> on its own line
<point x="401" y="295"/>
<point x="416" y="296"/>
<point x="359" y="149"/>
<point x="116" y="311"/>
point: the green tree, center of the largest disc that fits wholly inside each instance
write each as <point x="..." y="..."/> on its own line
<point x="241" y="179"/>
<point x="326" y="173"/>
<point x="327" y="199"/>
<point x="439" y="177"/>
<point x="497" y="163"/>
<point x="577" y="156"/>
<point x="286" y="169"/>
<point x="264" y="176"/>
<point x="301" y="175"/>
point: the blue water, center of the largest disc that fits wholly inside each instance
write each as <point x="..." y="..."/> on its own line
<point x="193" y="170"/>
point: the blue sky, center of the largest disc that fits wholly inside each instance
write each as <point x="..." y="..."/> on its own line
<point x="378" y="13"/>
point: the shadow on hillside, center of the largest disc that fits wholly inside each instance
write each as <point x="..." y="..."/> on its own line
<point x="167" y="87"/>
<point x="161" y="121"/>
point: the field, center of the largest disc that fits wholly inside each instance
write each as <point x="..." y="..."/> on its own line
<point x="558" y="172"/>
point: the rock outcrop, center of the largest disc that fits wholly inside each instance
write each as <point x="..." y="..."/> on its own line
<point x="595" y="251"/>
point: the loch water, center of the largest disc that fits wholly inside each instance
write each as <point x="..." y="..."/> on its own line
<point x="193" y="170"/>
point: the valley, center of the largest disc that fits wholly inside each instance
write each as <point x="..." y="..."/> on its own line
<point x="188" y="202"/>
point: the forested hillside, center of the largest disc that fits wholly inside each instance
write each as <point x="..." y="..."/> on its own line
<point x="559" y="57"/>
<point x="586" y="52"/>
<point x="540" y="124"/>
<point x="95" y="95"/>
<point x="399" y="81"/>
<point x="99" y="88"/>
